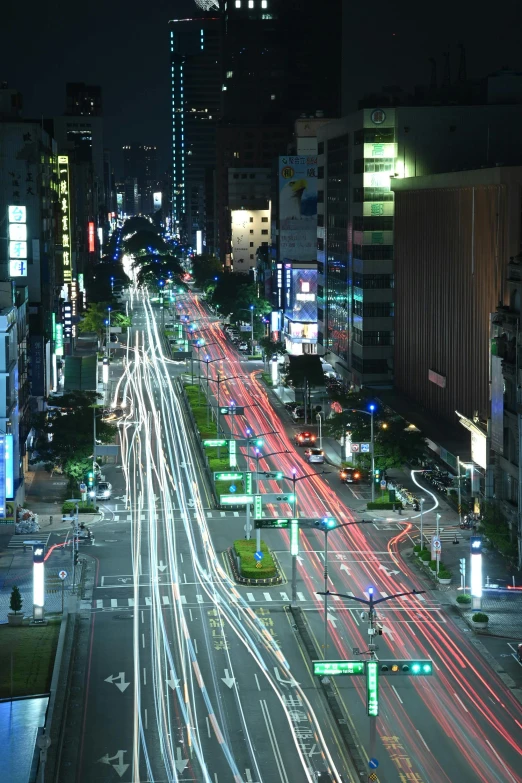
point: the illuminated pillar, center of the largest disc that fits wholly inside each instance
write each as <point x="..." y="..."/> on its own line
<point x="476" y="571"/>
<point x="38" y="582"/>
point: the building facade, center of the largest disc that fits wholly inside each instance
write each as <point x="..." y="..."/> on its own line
<point x="359" y="156"/>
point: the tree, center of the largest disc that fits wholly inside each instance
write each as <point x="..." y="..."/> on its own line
<point x="65" y="435"/>
<point x="134" y="224"/>
<point x="144" y="242"/>
<point x="272" y="347"/>
<point x="234" y="294"/>
<point x="93" y="320"/>
<point x="205" y="269"/>
<point x="15" y="602"/>
<point x="99" y="284"/>
<point x="153" y="268"/>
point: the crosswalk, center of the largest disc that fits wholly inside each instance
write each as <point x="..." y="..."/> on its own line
<point x="17" y="542"/>
<point x="264" y="598"/>
<point x="445" y="534"/>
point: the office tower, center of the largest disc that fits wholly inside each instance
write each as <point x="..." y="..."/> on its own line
<point x="140" y="164"/>
<point x="196" y="65"/>
<point x="83" y="100"/>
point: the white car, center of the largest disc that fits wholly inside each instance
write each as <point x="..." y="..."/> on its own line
<point x="314" y="455"/>
<point x="243" y="346"/>
<point x="103" y="490"/>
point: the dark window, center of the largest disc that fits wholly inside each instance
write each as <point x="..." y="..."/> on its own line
<point x="320" y="268"/>
<point x="236" y="176"/>
<point x="378" y="223"/>
<point x="251" y="230"/>
<point x="243" y="176"/>
<point x="320" y="244"/>
<point x="264" y="244"/>
<point x="251" y="220"/>
<point x="320" y="148"/>
<point x="251" y="244"/>
<point x="264" y="220"/>
<point x="320" y="196"/>
<point x="264" y="231"/>
<point x="372" y="281"/>
<point x="372" y="194"/>
<point x="320" y="291"/>
<point x="358" y="166"/>
<point x="373" y="252"/>
<point x="320" y="172"/>
<point x="320" y="219"/>
<point x="320" y="314"/>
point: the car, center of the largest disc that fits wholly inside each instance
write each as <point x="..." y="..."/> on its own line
<point x="84" y="536"/>
<point x="291" y="406"/>
<point x="314" y="455"/>
<point x="350" y="475"/>
<point x="112" y="414"/>
<point x="243" y="346"/>
<point x="298" y="413"/>
<point x="305" y="439"/>
<point x="103" y="490"/>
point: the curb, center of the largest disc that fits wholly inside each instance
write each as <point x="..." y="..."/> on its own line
<point x="248" y="581"/>
<point x="335" y="705"/>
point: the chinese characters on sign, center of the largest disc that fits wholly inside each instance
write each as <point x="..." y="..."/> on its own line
<point x="17" y="232"/>
<point x="64" y="230"/>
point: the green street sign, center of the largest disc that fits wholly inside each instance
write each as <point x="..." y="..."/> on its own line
<point x="228" y="476"/>
<point x="232" y="454"/>
<point x="335" y="668"/>
<point x="267" y="522"/>
<point x="372" y="688"/>
<point x="207" y="444"/>
<point x="233" y="410"/>
<point x="258" y="506"/>
<point x="235" y="500"/>
<point x="248" y="483"/>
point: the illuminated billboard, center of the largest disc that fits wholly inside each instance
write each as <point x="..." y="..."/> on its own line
<point x="301" y="299"/>
<point x="157" y="200"/>
<point x="17" y="233"/>
<point x="90" y="231"/>
<point x="64" y="226"/>
<point x="9" y="467"/>
<point x="298" y="207"/>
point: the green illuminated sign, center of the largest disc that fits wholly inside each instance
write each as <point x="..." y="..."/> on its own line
<point x="270" y="522"/>
<point x="372" y="688"/>
<point x="210" y="443"/>
<point x="294" y="537"/>
<point x="258" y="506"/>
<point x="228" y="476"/>
<point x="248" y="483"/>
<point x="334" y="668"/>
<point x="235" y="500"/>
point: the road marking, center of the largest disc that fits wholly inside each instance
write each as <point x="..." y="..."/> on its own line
<point x="273" y="740"/>
<point x="301" y="597"/>
<point x="236" y="513"/>
<point x="195" y="643"/>
<point x="268" y="597"/>
<point x="183" y="599"/>
<point x="284" y="596"/>
<point x="116" y="517"/>
<point x="144" y="676"/>
<point x="146" y="719"/>
<point x="461" y="703"/>
<point x="208" y="726"/>
<point x="395" y="689"/>
<point x="114" y="602"/>
<point x="424" y="741"/>
<point x="181" y="556"/>
<point x="148" y="602"/>
<point x="336" y="597"/>
<point x="501" y="762"/>
<point x="199" y="599"/>
<point x="99" y="603"/>
<point x="166" y="600"/>
<point x="250" y="597"/>
<point x="143" y="640"/>
<point x="257" y="682"/>
<point x="131" y="602"/>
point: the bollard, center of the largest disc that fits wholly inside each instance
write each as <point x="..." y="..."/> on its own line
<point x="394" y="508"/>
<point x="50" y="519"/>
<point x="400" y="509"/>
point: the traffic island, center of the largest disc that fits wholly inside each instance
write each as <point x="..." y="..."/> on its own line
<point x="248" y="570"/>
<point x="27" y="658"/>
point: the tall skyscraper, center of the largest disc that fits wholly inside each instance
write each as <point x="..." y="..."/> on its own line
<point x="196" y="65"/>
<point x="83" y="100"/>
<point x="140" y="164"/>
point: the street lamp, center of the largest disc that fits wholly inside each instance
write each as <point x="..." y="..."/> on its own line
<point x="327" y="525"/>
<point x="369" y="412"/>
<point x="197" y="347"/>
<point x="219" y="380"/>
<point x="266" y="456"/>
<point x="208" y="361"/>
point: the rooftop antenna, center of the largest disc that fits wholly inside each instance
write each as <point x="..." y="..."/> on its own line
<point x="433" y="77"/>
<point x="462" y="63"/>
<point x="446" y="79"/>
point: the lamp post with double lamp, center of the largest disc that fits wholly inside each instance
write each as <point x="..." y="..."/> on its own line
<point x="209" y="361"/>
<point x="251" y="311"/>
<point x="266" y="456"/>
<point x="219" y="380"/>
<point x="197" y="345"/>
<point x="327" y="525"/>
<point x="294" y="479"/>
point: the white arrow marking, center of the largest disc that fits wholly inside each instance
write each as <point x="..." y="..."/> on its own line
<point x="228" y="680"/>
<point x="331" y="619"/>
<point x="162" y="566"/>
<point x="121" y="685"/>
<point x="293" y="683"/>
<point x="190" y="502"/>
<point x="181" y="764"/>
<point x="387" y="631"/>
<point x="172" y="683"/>
<point x="120" y="767"/>
<point x="345" y="568"/>
<point x="301" y="560"/>
<point x="388" y="571"/>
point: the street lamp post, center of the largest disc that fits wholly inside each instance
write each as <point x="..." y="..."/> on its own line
<point x="369" y="412"/>
<point x="371" y="603"/>
<point x="422" y="521"/>
<point x="320" y="421"/>
<point x="252" y="329"/>
<point x="459" y="490"/>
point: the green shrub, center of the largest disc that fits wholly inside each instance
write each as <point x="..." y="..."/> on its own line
<point x="15" y="601"/>
<point x="480" y="617"/>
<point x="381" y="506"/>
<point x="444" y="573"/>
<point x="433" y="565"/>
<point x="84" y="507"/>
<point x="248" y="565"/>
<point x="417" y="548"/>
<point x="425" y="555"/>
<point x="463" y="599"/>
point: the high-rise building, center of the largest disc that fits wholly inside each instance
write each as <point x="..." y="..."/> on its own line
<point x="358" y="156"/>
<point x="140" y="163"/>
<point x="196" y="78"/>
<point x="83" y="100"/>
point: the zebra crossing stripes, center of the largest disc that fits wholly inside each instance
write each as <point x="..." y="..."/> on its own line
<point x="166" y="600"/>
<point x="17" y="542"/>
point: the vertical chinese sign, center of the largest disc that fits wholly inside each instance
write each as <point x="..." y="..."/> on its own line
<point x="65" y="215"/>
<point x="17" y="239"/>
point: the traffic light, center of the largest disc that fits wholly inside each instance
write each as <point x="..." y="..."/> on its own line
<point x="76" y="558"/>
<point x="377" y="475"/>
<point x="413" y="667"/>
<point x="90" y="479"/>
<point x="327" y="523"/>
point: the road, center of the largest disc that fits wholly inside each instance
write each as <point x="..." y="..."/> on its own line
<point x="187" y="678"/>
<point x="460" y="724"/>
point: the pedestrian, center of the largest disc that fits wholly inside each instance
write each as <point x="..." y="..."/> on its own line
<point x="400" y="509"/>
<point x="51" y="519"/>
<point x="394" y="508"/>
<point x="455" y="540"/>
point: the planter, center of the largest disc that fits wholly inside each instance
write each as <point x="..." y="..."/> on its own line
<point x="444" y="580"/>
<point x="479" y="626"/>
<point x="14" y="619"/>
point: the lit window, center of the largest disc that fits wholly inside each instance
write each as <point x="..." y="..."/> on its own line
<point x="264" y="4"/>
<point x="238" y="3"/>
<point x="230" y="74"/>
<point x="250" y="3"/>
<point x="272" y="97"/>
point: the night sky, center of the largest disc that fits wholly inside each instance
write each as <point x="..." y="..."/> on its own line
<point x="124" y="47"/>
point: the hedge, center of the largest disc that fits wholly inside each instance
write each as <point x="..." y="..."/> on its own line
<point x="247" y="564"/>
<point x="83" y="507"/>
<point x="199" y="411"/>
<point x="382" y="506"/>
